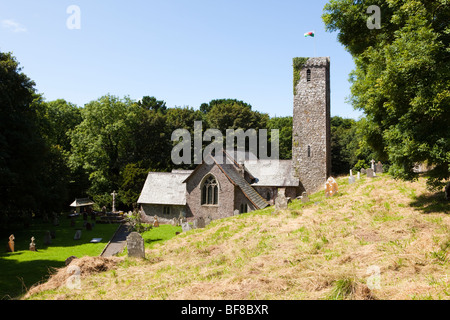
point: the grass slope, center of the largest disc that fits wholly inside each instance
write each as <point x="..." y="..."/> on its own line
<point x="328" y="248"/>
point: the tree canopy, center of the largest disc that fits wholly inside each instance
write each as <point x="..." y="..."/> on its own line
<point x="401" y="80"/>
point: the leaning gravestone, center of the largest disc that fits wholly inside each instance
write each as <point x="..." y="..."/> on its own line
<point x="369" y="173"/>
<point x="10" y="245"/>
<point x="185" y="226"/>
<point x="48" y="238"/>
<point x="77" y="235"/>
<point x="281" y="202"/>
<point x="305" y="197"/>
<point x="135" y="245"/>
<point x="379" y="167"/>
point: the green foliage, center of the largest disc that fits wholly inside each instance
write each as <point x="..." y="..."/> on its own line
<point x="297" y="64"/>
<point x="401" y="80"/>
<point x="284" y="125"/>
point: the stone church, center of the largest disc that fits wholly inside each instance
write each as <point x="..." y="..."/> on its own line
<point x="221" y="186"/>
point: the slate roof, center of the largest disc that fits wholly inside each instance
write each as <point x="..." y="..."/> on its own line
<point x="275" y="173"/>
<point x="165" y="188"/>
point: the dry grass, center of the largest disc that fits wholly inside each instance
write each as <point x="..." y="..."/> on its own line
<point x="324" y="249"/>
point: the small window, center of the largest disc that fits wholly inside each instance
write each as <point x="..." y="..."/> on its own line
<point x="244" y="208"/>
<point x="309" y="151"/>
<point x="308" y="75"/>
<point x="166" y="210"/>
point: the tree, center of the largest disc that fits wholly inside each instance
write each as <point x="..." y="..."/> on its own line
<point x="100" y="142"/>
<point x="401" y="80"/>
<point x="284" y="125"/>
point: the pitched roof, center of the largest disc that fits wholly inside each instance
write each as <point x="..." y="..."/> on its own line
<point x="274" y="173"/>
<point x="82" y="202"/>
<point x="165" y="188"/>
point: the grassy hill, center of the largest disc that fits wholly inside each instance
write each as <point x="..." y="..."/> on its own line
<point x="328" y="248"/>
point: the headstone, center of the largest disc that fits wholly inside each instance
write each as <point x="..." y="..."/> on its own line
<point x="379" y="167"/>
<point x="135" y="245"/>
<point x="88" y="226"/>
<point x="358" y="176"/>
<point x="351" y="178"/>
<point x="236" y="212"/>
<point x="10" y="245"/>
<point x="369" y="173"/>
<point x="372" y="164"/>
<point x="331" y="187"/>
<point x="281" y="202"/>
<point x="305" y="197"/>
<point x="77" y="235"/>
<point x="447" y="191"/>
<point x="155" y="222"/>
<point x="48" y="239"/>
<point x="32" y="245"/>
<point x="194" y="224"/>
<point x="185" y="226"/>
<point x="200" y="222"/>
<point x="208" y="220"/>
<point x="363" y="171"/>
<point x="69" y="260"/>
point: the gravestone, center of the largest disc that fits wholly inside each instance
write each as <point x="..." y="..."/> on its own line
<point x="135" y="245"/>
<point x="88" y="226"/>
<point x="236" y="212"/>
<point x="331" y="187"/>
<point x="10" y="245"/>
<point x="363" y="171"/>
<point x="185" y="226"/>
<point x="200" y="222"/>
<point x="281" y="202"/>
<point x="69" y="260"/>
<point x="358" y="176"/>
<point x="351" y="178"/>
<point x="48" y="239"/>
<point x="379" y="167"/>
<point x="305" y="197"/>
<point x="208" y="220"/>
<point x="77" y="235"/>
<point x="447" y="191"/>
<point x="32" y="245"/>
<point x="155" y="222"/>
<point x="369" y="173"/>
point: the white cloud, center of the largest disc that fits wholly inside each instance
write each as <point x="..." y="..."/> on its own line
<point x="13" y="26"/>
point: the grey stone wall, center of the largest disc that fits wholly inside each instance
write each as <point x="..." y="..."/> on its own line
<point x="311" y="125"/>
<point x="151" y="210"/>
<point x="225" y="206"/>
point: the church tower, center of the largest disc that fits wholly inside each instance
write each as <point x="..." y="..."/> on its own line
<point x="311" y="136"/>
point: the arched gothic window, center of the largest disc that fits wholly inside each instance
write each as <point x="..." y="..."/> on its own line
<point x="210" y="191"/>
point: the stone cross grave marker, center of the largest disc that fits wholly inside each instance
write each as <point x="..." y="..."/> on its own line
<point x="32" y="245"/>
<point x="135" y="245"/>
<point x="372" y="164"/>
<point x="114" y="194"/>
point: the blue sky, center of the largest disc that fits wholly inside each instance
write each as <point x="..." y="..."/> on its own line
<point x="183" y="52"/>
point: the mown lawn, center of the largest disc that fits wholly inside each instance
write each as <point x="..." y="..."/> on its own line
<point x="21" y="269"/>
